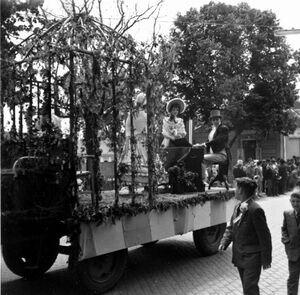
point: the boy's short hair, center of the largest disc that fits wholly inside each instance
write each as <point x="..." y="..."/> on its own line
<point x="247" y="184"/>
<point x="296" y="195"/>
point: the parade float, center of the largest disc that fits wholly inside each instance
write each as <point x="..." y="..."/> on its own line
<point x="87" y="73"/>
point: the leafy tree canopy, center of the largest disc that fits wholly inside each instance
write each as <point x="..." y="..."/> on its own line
<point x="18" y="18"/>
<point x="228" y="57"/>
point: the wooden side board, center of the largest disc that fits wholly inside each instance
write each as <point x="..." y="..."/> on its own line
<point x="155" y="225"/>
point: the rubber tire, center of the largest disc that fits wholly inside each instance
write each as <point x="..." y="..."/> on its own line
<point x="207" y="244"/>
<point x="90" y="279"/>
<point x="22" y="258"/>
<point x="150" y="244"/>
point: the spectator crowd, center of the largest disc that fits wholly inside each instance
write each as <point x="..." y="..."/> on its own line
<point x="273" y="176"/>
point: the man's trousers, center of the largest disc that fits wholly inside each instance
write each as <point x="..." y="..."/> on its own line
<point x="293" y="280"/>
<point x="250" y="278"/>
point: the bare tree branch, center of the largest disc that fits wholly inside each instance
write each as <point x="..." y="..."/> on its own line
<point x="73" y="7"/>
<point x="100" y="12"/>
<point x="138" y="17"/>
<point x="100" y="27"/>
<point x="85" y="6"/>
<point x="27" y="38"/>
<point x="44" y="13"/>
<point x="91" y="7"/>
<point x="62" y="27"/>
<point x="39" y="37"/>
<point x="122" y="14"/>
<point x="154" y="25"/>
<point x="64" y="7"/>
<point x="47" y="13"/>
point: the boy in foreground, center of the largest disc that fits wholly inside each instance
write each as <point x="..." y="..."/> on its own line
<point x="291" y="239"/>
<point x="250" y="235"/>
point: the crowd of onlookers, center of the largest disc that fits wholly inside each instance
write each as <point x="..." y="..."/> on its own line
<point x="273" y="176"/>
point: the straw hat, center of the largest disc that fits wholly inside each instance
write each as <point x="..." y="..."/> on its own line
<point x="178" y="102"/>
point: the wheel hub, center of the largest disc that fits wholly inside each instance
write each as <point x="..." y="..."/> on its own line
<point x="101" y="268"/>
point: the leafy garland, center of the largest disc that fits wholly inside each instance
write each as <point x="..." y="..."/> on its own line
<point x="107" y="213"/>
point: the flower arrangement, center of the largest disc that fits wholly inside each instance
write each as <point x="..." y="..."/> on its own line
<point x="244" y="207"/>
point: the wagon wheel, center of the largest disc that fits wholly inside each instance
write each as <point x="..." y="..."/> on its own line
<point x="101" y="273"/>
<point x="207" y="240"/>
<point x="31" y="259"/>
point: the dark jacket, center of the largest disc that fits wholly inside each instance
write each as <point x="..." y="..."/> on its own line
<point x="251" y="238"/>
<point x="291" y="235"/>
<point x="220" y="139"/>
<point x="283" y="171"/>
<point x="238" y="171"/>
<point x="267" y="172"/>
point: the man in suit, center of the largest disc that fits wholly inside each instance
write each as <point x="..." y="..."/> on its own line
<point x="291" y="240"/>
<point x="249" y="233"/>
<point x="217" y="147"/>
<point x="217" y="144"/>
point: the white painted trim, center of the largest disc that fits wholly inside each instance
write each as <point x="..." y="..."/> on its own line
<point x="151" y="226"/>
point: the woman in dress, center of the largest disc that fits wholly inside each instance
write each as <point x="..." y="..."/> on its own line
<point x="140" y="135"/>
<point x="173" y="129"/>
<point x="175" y="144"/>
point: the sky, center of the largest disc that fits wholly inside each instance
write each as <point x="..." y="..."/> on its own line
<point x="287" y="12"/>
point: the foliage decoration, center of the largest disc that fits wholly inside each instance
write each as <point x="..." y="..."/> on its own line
<point x="109" y="213"/>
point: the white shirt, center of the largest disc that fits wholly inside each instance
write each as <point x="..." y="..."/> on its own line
<point x="170" y="129"/>
<point x="211" y="136"/>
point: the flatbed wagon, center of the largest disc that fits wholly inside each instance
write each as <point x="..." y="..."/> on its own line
<point x="103" y="247"/>
<point x="101" y="235"/>
<point x="94" y="89"/>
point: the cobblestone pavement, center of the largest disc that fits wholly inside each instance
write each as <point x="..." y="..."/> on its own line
<point x="172" y="266"/>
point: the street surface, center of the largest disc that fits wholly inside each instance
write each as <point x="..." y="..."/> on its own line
<point x="172" y="266"/>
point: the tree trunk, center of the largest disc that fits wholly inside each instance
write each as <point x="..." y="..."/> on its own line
<point x="237" y="133"/>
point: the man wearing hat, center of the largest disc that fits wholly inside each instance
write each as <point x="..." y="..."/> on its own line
<point x="217" y="145"/>
<point x="250" y="236"/>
